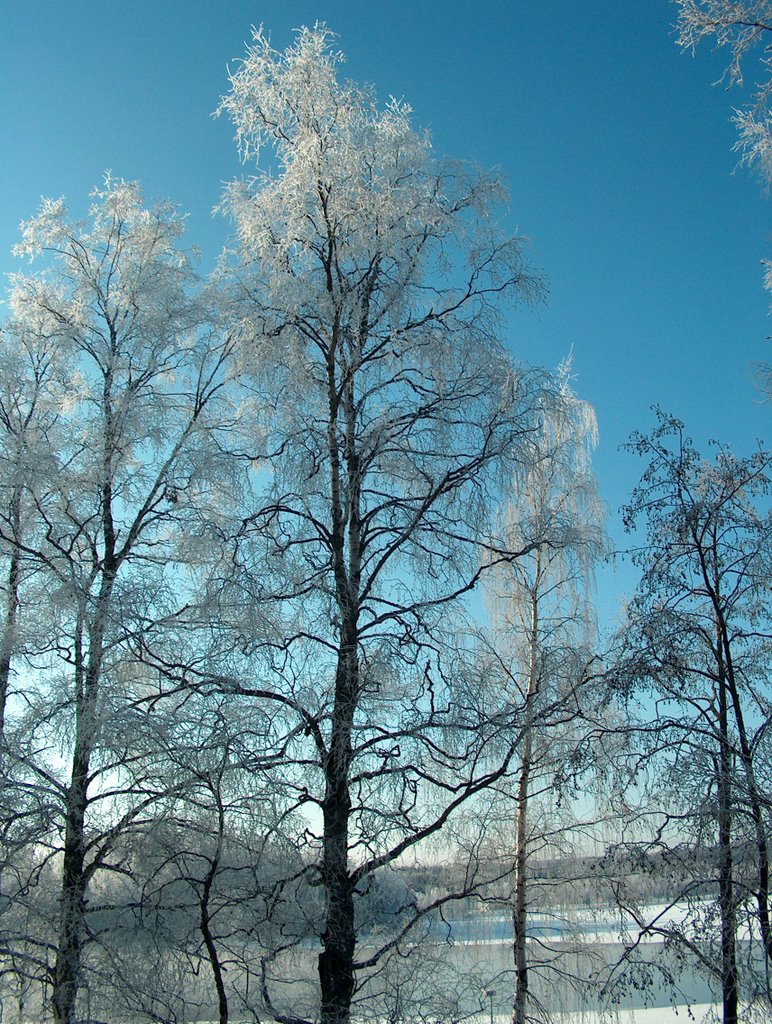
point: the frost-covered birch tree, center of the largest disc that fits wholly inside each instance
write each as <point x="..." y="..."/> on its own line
<point x="32" y="397"/>
<point x="544" y="629"/>
<point x="135" y="463"/>
<point x="699" y="641"/>
<point x="367" y="281"/>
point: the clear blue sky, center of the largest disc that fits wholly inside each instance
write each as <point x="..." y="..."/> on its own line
<point x="616" y="147"/>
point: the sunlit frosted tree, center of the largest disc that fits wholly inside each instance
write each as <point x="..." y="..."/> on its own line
<point x="699" y="640"/>
<point x="367" y="282"/>
<point x="135" y="457"/>
<point x="543" y="615"/>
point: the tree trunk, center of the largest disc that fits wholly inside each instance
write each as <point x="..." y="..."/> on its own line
<point x="753" y="796"/>
<point x="72" y="907"/>
<point x="88" y="676"/>
<point x="211" y="949"/>
<point x="336" y="961"/>
<point x="520" y="902"/>
<point x="205" y="917"/>
<point x="11" y="606"/>
<point x="520" y="905"/>
<point x="75" y="872"/>
<point x="726" y="869"/>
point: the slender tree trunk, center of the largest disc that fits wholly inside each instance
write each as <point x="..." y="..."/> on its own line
<point x="726" y="869"/>
<point x="520" y="896"/>
<point x="88" y="675"/>
<point x="520" y="904"/>
<point x="75" y="872"/>
<point x="336" y="961"/>
<point x="72" y="907"/>
<point x="211" y="948"/>
<point x="205" y="918"/>
<point x="11" y="606"/>
<point x="754" y="799"/>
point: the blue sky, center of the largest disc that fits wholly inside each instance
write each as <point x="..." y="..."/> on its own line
<point x="616" y="147"/>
